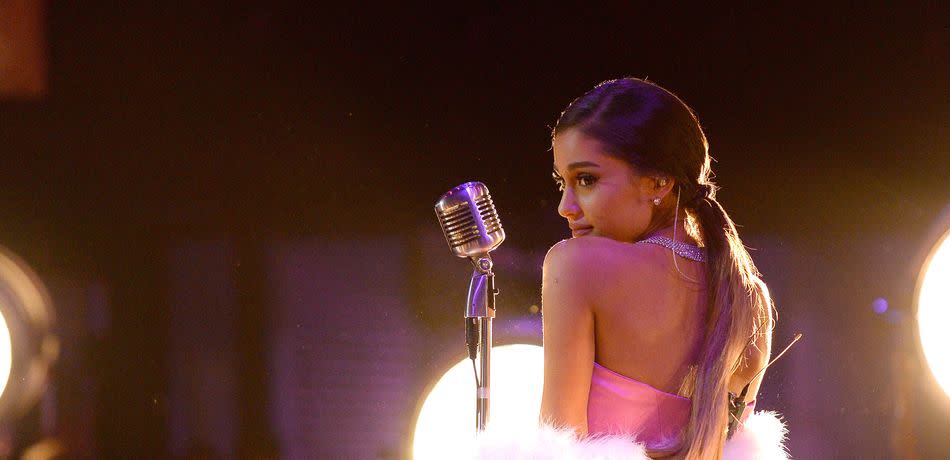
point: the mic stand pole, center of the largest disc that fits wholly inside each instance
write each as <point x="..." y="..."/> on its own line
<point x="479" y="311"/>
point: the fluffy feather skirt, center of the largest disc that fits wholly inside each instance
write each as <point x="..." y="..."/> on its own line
<point x="762" y="437"/>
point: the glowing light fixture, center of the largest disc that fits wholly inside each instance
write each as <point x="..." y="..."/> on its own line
<point x="6" y="354"/>
<point x="446" y="422"/>
<point x="933" y="311"/>
<point x="27" y="344"/>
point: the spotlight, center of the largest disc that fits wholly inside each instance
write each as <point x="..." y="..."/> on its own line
<point x="27" y="345"/>
<point x="444" y="424"/>
<point x="932" y="299"/>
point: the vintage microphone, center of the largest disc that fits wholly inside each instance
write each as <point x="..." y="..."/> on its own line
<point x="472" y="228"/>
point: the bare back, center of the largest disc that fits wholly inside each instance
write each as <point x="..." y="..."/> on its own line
<point x="628" y="308"/>
<point x="649" y="324"/>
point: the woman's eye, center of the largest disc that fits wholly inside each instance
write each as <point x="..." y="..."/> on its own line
<point x="586" y="180"/>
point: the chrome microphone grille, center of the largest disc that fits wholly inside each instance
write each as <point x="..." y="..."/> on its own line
<point x="486" y="209"/>
<point x="469" y="220"/>
<point x="459" y="225"/>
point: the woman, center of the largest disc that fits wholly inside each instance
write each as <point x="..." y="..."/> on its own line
<point x="653" y="311"/>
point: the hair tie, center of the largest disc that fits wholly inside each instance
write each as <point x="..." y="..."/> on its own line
<point x="703" y="192"/>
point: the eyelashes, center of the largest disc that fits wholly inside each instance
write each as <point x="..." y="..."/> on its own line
<point x="586" y="180"/>
<point x="583" y="180"/>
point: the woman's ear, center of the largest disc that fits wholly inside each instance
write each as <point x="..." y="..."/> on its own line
<point x="663" y="185"/>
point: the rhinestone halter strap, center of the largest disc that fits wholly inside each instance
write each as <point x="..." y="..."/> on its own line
<point x="679" y="248"/>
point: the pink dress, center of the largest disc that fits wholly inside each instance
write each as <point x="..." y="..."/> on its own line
<point x="619" y="409"/>
<point x="620" y="405"/>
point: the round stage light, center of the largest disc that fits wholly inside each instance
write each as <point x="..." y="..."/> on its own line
<point x="446" y="422"/>
<point x="933" y="311"/>
<point x="27" y="344"/>
<point x="6" y="354"/>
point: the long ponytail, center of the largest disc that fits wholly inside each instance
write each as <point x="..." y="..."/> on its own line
<point x="738" y="308"/>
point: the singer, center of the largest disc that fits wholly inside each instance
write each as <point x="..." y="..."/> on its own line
<point x="654" y="311"/>
<point x="654" y="314"/>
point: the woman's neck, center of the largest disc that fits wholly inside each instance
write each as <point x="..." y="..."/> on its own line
<point x="675" y="232"/>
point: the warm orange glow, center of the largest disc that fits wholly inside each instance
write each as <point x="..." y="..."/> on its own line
<point x="23" y="63"/>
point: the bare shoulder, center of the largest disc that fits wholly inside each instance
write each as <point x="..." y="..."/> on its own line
<point x="606" y="250"/>
<point x="591" y="263"/>
<point x="591" y="255"/>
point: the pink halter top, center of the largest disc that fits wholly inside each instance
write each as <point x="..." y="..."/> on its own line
<point x="620" y="405"/>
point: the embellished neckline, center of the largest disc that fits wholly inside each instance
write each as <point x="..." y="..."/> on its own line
<point x="679" y="248"/>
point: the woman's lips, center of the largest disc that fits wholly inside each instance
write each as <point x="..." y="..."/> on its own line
<point x="581" y="231"/>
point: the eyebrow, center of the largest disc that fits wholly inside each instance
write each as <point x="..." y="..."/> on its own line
<point x="580" y="164"/>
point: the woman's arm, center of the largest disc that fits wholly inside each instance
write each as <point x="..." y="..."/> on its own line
<point x="757" y="354"/>
<point x="758" y="357"/>
<point x="568" y="335"/>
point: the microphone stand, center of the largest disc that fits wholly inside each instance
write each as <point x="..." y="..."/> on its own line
<point x="479" y="311"/>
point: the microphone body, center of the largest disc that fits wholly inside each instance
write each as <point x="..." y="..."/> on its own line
<point x="472" y="229"/>
<point x="469" y="220"/>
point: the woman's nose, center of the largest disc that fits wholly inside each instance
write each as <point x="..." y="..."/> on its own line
<point x="567" y="208"/>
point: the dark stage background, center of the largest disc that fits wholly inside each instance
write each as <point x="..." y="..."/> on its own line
<point x="225" y="198"/>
